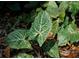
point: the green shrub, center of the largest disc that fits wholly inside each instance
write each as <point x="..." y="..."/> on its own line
<point x="44" y="23"/>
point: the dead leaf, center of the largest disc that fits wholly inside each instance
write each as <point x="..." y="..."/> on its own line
<point x="7" y="52"/>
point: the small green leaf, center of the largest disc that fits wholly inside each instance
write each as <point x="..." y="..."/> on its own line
<point x="63" y="37"/>
<point x="55" y="26"/>
<point x="17" y="39"/>
<point x="74" y="37"/>
<point x="52" y="9"/>
<point x="24" y="55"/>
<point x="74" y="7"/>
<point x="54" y="51"/>
<point x="62" y="15"/>
<point x="62" y="8"/>
<point x="72" y="27"/>
<point x="63" y="5"/>
<point x="40" y="27"/>
<point x="65" y="22"/>
<point x="38" y="9"/>
<point x="53" y="4"/>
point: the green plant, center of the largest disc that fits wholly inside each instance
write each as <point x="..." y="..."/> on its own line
<point x="44" y="23"/>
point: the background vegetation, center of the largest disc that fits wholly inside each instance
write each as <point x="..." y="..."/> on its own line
<point x="39" y="29"/>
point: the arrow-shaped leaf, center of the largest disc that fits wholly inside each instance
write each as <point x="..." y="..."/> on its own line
<point x="17" y="39"/>
<point x="40" y="27"/>
<point x="69" y="33"/>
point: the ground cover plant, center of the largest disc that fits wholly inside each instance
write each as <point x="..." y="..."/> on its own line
<point x="50" y="31"/>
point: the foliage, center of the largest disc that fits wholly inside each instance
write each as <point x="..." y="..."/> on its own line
<point x="40" y="27"/>
<point x="53" y="19"/>
<point x="24" y="55"/>
<point x="17" y="39"/>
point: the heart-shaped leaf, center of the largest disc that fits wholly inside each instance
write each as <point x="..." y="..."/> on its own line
<point x="52" y="9"/>
<point x="17" y="39"/>
<point x="69" y="33"/>
<point x="40" y="27"/>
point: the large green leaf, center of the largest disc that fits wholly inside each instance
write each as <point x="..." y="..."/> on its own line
<point x="52" y="9"/>
<point x="17" y="39"/>
<point x="24" y="55"/>
<point x="54" y="51"/>
<point x="73" y="33"/>
<point x="63" y="34"/>
<point x="40" y="27"/>
<point x="69" y="33"/>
